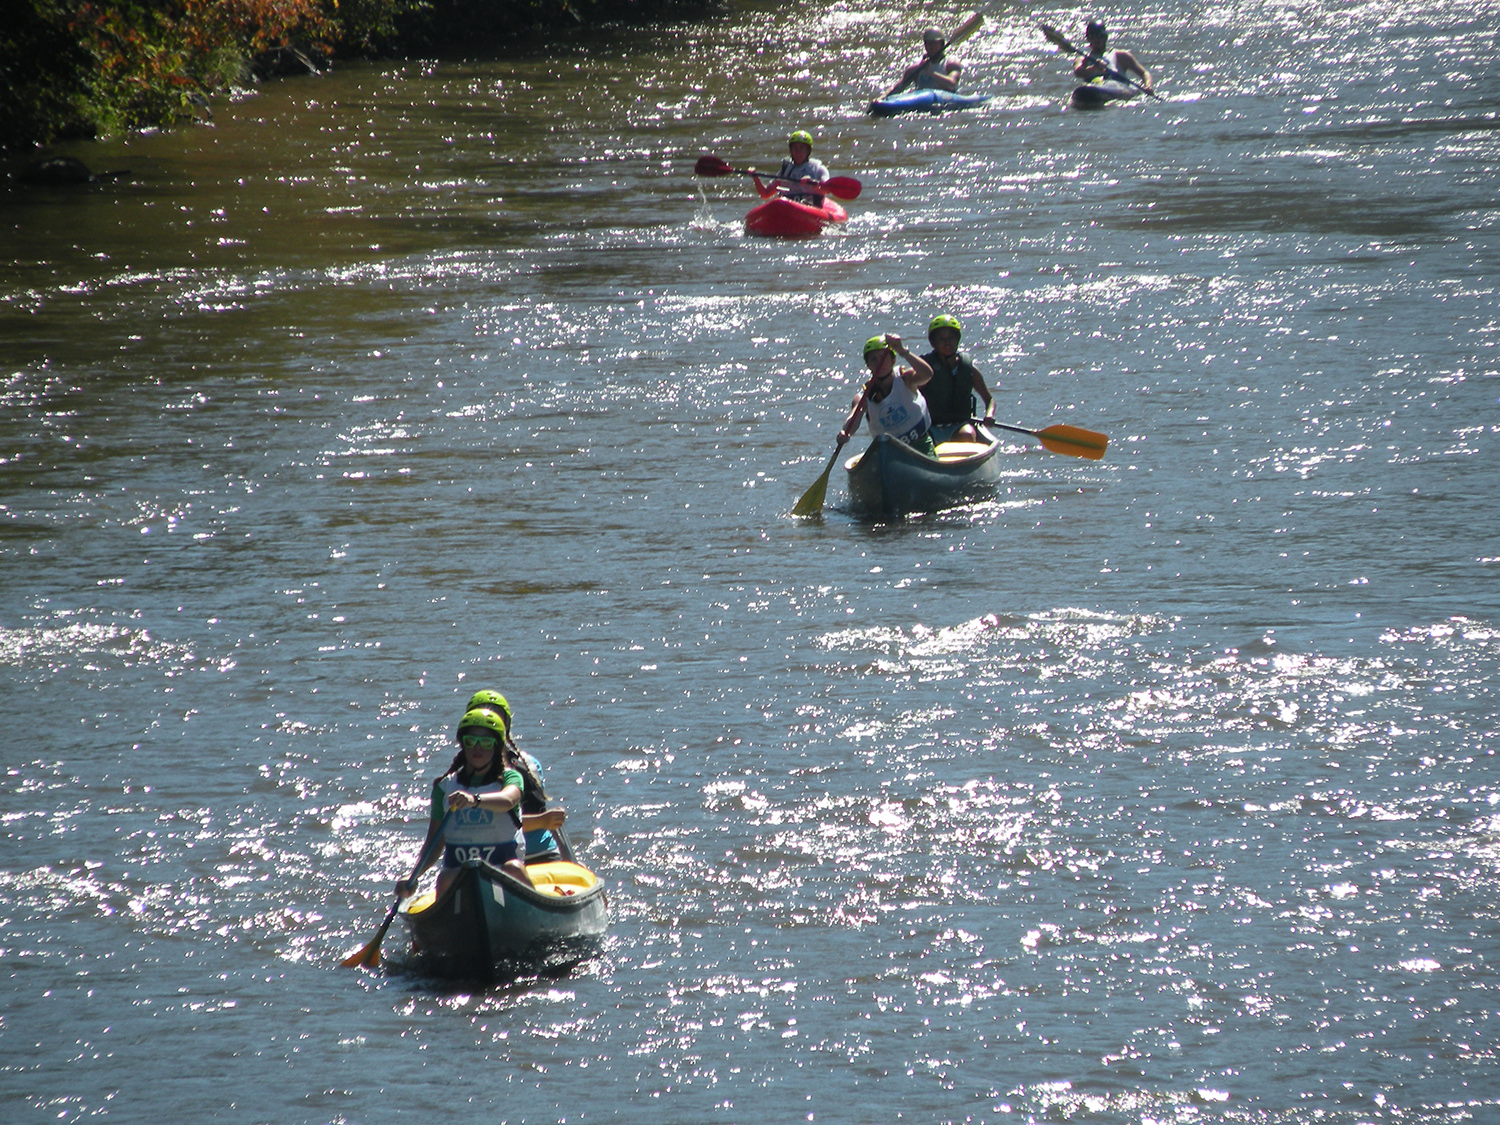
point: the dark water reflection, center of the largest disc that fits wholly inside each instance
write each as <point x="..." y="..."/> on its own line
<point x="1150" y="789"/>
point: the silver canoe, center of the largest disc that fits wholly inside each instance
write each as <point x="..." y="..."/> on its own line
<point x="488" y="922"/>
<point x="890" y="477"/>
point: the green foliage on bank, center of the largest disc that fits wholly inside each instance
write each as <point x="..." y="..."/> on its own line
<point x="84" y="68"/>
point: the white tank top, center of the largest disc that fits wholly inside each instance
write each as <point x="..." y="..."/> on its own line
<point x="902" y="414"/>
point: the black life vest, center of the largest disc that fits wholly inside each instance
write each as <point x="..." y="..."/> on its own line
<point x="950" y="391"/>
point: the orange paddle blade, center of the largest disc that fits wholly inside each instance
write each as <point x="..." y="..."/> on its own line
<point x="365" y="957"/>
<point x="1074" y="441"/>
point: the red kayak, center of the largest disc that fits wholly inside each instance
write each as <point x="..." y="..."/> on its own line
<point x="783" y="218"/>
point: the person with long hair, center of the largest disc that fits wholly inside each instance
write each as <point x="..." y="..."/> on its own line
<point x="534" y="801"/>
<point x="483" y="790"/>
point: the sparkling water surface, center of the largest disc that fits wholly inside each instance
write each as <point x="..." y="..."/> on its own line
<point x="1153" y="789"/>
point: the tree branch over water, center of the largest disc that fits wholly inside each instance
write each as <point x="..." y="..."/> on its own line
<point x="83" y="68"/>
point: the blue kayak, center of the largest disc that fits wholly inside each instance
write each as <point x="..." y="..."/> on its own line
<point x="930" y="101"/>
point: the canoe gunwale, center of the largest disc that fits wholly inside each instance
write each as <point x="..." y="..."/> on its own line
<point x="552" y="904"/>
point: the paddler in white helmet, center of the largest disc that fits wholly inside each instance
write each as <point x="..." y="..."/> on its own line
<point x="935" y="70"/>
<point x="801" y="169"/>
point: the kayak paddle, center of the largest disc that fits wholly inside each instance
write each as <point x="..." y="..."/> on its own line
<point x="367" y="956"/>
<point x="1061" y="438"/>
<point x="964" y="30"/>
<point x="1058" y="39"/>
<point x="840" y="187"/>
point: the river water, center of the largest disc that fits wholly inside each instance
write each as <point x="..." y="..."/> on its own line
<point x="1153" y="789"/>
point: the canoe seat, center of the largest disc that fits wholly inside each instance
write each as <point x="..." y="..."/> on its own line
<point x="561" y="877"/>
<point x="958" y="450"/>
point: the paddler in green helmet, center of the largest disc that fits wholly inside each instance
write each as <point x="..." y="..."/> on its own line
<point x="534" y="799"/>
<point x="800" y="169"/>
<point x="891" y="401"/>
<point x="481" y="789"/>
<point x="954" y="383"/>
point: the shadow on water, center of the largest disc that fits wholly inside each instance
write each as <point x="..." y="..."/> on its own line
<point x="510" y="975"/>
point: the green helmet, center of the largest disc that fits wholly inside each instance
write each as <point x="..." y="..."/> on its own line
<point x="945" y="321"/>
<point x="486" y="720"/>
<point x="800" y="137"/>
<point x="489" y="701"/>
<point x="875" y="344"/>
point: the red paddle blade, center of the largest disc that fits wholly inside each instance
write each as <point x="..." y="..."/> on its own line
<point x="842" y="187"/>
<point x="712" y="166"/>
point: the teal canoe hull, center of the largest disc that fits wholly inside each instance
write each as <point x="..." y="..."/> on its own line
<point x="488" y="924"/>
<point x="892" y="478"/>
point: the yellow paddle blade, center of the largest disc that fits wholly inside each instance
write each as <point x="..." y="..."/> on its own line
<point x="811" y="503"/>
<point x="367" y="956"/>
<point x="1074" y="441"/>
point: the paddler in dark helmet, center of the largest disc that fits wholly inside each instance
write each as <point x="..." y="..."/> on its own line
<point x="1101" y="60"/>
<point x="800" y="169"/>
<point x="935" y="71"/>
<point x="954" y="383"/>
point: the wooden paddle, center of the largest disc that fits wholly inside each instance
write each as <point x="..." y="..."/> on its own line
<point x="368" y="955"/>
<point x="1058" y="39"/>
<point x="840" y="187"/>
<point x="543" y="821"/>
<point x="960" y="33"/>
<point x="1061" y="438"/>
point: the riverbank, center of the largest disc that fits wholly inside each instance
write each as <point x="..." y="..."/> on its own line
<point x="76" y="69"/>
